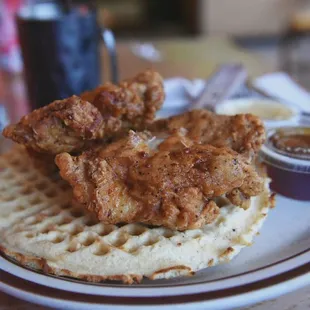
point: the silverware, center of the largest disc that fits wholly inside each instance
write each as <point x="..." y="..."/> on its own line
<point x="224" y="82"/>
<point x="109" y="42"/>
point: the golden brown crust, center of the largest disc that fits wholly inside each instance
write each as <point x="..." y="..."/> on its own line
<point x="128" y="182"/>
<point x="227" y="253"/>
<point x="40" y="264"/>
<point x="71" y="235"/>
<point x="272" y="200"/>
<point x="244" y="133"/>
<point x="71" y="125"/>
<point x="179" y="269"/>
<point x="64" y="125"/>
<point x="150" y="87"/>
<point x="134" y="102"/>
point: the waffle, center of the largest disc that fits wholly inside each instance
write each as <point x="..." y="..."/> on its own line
<point x="42" y="229"/>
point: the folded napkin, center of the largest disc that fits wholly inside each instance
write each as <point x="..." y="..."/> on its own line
<point x="279" y="85"/>
<point x="180" y="92"/>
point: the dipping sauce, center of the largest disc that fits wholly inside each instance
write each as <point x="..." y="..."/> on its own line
<point x="292" y="142"/>
<point x="274" y="113"/>
<point x="287" y="157"/>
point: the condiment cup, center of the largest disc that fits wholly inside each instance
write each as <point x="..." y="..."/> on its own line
<point x="287" y="162"/>
<point x="272" y="112"/>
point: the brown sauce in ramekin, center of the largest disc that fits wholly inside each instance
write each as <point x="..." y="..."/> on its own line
<point x="286" y="155"/>
<point x="293" y="144"/>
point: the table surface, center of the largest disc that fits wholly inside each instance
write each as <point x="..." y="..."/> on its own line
<point x="190" y="58"/>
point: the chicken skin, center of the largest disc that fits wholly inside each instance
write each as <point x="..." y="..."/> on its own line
<point x="244" y="133"/>
<point x="62" y="126"/>
<point x="140" y="179"/>
<point x="134" y="101"/>
<point x="68" y="125"/>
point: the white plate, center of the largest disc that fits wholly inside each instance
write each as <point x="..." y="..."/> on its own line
<point x="277" y="263"/>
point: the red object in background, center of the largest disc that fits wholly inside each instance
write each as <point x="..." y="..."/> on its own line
<point x="10" y="57"/>
<point x="13" y="99"/>
<point x="13" y="103"/>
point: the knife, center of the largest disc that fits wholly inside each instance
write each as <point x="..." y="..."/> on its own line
<point x="222" y="84"/>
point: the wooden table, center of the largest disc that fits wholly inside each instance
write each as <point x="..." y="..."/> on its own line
<point x="195" y="58"/>
<point x="190" y="58"/>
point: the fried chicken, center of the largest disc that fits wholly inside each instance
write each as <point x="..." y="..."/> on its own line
<point x="134" y="101"/>
<point x="62" y="126"/>
<point x="244" y="133"/>
<point x="108" y="111"/>
<point x="173" y="184"/>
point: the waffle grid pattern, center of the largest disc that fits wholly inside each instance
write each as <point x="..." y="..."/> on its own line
<point x="41" y="228"/>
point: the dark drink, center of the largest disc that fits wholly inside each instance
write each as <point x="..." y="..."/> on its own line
<point x="60" y="51"/>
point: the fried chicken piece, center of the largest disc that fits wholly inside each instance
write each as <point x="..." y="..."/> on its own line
<point x="137" y="180"/>
<point x="240" y="196"/>
<point x="62" y="126"/>
<point x="244" y="133"/>
<point x="134" y="101"/>
<point x="150" y="87"/>
<point x="67" y="125"/>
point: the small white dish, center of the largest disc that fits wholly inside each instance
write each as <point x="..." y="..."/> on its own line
<point x="181" y="92"/>
<point x="272" y="112"/>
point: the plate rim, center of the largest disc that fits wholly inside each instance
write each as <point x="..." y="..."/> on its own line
<point x="223" y="302"/>
<point x="261" y="274"/>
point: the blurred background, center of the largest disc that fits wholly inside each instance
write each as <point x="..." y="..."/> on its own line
<point x="184" y="37"/>
<point x="278" y="30"/>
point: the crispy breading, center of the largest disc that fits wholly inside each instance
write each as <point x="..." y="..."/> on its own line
<point x="70" y="125"/>
<point x="134" y="101"/>
<point x="132" y="180"/>
<point x="62" y="126"/>
<point x="244" y="133"/>
<point x="149" y="86"/>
